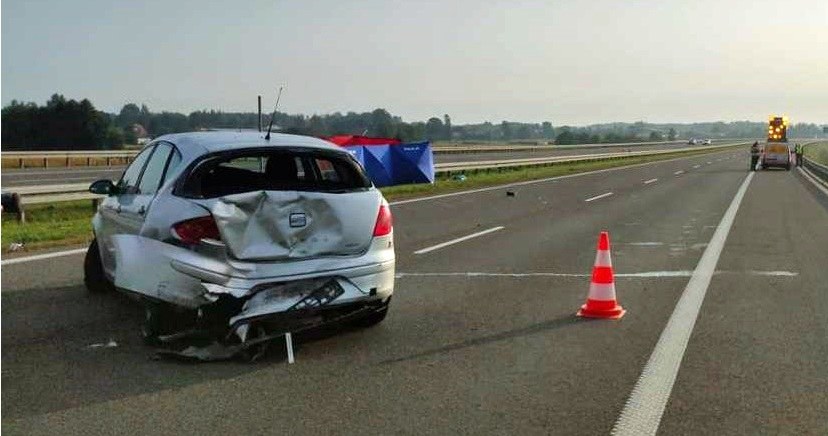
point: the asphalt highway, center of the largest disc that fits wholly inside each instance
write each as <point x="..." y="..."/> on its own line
<point x="55" y="176"/>
<point x="482" y="336"/>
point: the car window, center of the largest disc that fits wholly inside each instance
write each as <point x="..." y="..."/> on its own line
<point x="274" y="171"/>
<point x="327" y="171"/>
<point x="175" y="160"/>
<point x="151" y="178"/>
<point x="129" y="180"/>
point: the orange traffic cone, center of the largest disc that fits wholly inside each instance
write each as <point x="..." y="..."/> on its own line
<point x="601" y="300"/>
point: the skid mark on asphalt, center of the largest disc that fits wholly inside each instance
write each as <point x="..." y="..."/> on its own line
<point x="541" y="327"/>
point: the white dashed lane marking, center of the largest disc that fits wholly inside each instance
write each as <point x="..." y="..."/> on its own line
<point x="607" y="194"/>
<point x="458" y="240"/>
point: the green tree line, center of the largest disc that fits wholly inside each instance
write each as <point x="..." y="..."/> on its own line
<point x="63" y="124"/>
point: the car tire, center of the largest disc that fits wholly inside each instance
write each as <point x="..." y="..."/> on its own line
<point x="373" y="318"/>
<point x="788" y="167"/>
<point x="93" y="274"/>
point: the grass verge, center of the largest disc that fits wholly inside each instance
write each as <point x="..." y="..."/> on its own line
<point x="818" y="152"/>
<point x="49" y="225"/>
<point x="68" y="223"/>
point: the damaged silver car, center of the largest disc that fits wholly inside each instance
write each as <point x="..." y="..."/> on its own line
<point x="237" y="239"/>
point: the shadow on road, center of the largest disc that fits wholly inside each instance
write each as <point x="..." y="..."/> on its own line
<point x="502" y="336"/>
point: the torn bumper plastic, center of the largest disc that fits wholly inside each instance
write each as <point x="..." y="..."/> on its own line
<point x="191" y="280"/>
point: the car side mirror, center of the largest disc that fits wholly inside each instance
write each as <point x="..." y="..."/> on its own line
<point x="103" y="187"/>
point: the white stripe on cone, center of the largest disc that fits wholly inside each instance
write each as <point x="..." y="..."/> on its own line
<point x="603" y="258"/>
<point x="602" y="291"/>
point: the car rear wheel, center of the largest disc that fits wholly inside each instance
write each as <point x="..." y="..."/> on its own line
<point x="93" y="274"/>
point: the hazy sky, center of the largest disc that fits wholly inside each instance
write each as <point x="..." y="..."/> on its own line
<point x="569" y="62"/>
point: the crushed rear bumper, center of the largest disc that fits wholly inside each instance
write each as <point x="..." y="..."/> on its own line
<point x="229" y="297"/>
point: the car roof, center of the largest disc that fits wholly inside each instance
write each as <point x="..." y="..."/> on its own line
<point x="199" y="143"/>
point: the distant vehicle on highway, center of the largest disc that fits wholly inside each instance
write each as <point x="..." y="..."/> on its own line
<point x="244" y="236"/>
<point x="692" y="141"/>
<point x="707" y="142"/>
<point x="776" y="155"/>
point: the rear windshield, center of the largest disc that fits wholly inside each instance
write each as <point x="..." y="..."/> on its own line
<point x="269" y="170"/>
<point x="777" y="149"/>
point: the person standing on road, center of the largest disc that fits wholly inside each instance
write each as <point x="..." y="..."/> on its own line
<point x="798" y="151"/>
<point x="754" y="155"/>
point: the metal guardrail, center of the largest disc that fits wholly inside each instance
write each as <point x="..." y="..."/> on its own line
<point x="461" y="167"/>
<point x="69" y="158"/>
<point x="815" y="168"/>
<point x="80" y="191"/>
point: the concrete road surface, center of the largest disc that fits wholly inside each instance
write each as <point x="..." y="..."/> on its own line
<point x="482" y="337"/>
<point x="56" y="176"/>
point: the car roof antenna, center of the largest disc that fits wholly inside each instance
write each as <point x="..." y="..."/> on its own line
<point x="273" y="115"/>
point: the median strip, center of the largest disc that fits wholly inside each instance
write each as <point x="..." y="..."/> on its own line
<point x="458" y="240"/>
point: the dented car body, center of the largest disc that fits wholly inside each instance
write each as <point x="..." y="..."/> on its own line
<point x="277" y="232"/>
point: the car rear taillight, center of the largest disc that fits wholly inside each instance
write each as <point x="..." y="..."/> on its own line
<point x="194" y="230"/>
<point x="384" y="221"/>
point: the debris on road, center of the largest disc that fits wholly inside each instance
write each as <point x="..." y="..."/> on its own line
<point x="110" y="344"/>
<point x="16" y="246"/>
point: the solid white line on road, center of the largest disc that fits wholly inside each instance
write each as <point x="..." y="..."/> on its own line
<point x="484" y="274"/>
<point x="638" y="275"/>
<point x="647" y="182"/>
<point x="696" y="166"/>
<point x="455" y="241"/>
<point x="709" y="162"/>
<point x="813" y="180"/>
<point x="42" y="256"/>
<point x="643" y="411"/>
<point x="679" y="172"/>
<point x="607" y="194"/>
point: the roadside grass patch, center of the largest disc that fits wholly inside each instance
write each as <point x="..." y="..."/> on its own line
<point x="47" y="225"/>
<point x="818" y="152"/>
